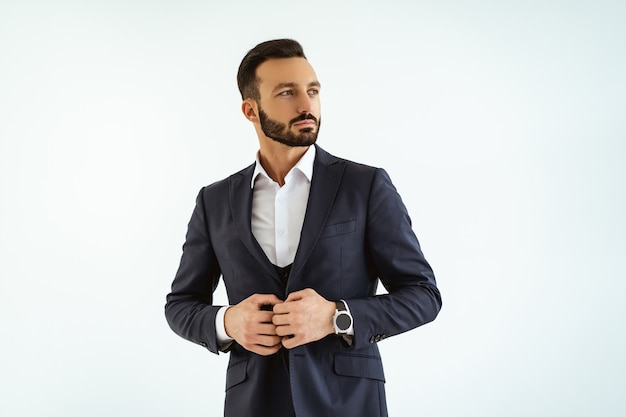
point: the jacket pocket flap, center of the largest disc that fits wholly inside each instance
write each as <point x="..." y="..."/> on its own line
<point x="339" y="229"/>
<point x="359" y="366"/>
<point x="236" y="374"/>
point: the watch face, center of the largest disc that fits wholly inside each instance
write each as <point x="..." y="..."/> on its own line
<point x="343" y="322"/>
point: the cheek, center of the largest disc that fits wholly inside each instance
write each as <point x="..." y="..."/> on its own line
<point x="317" y="108"/>
<point x="284" y="113"/>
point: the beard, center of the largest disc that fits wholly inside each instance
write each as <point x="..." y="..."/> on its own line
<point x="281" y="133"/>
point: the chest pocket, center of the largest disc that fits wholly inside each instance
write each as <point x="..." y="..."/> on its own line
<point x="339" y="229"/>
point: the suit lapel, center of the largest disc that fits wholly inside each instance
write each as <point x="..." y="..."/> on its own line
<point x="241" y="207"/>
<point x="327" y="173"/>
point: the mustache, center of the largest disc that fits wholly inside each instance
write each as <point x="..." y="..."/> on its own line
<point x="302" y="117"/>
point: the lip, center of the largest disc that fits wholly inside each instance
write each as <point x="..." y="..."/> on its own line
<point x="306" y="123"/>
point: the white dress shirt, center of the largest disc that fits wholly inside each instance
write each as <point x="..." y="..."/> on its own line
<point x="278" y="212"/>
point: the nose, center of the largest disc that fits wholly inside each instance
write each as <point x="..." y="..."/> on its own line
<point x="304" y="103"/>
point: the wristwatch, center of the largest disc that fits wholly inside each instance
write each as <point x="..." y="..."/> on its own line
<point x="342" y="320"/>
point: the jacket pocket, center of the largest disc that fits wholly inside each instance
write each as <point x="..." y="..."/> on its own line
<point x="339" y="229"/>
<point x="360" y="366"/>
<point x="236" y="374"/>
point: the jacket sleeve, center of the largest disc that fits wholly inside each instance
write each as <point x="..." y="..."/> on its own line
<point x="413" y="298"/>
<point x="188" y="309"/>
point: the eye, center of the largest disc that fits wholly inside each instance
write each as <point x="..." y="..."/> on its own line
<point x="314" y="92"/>
<point x="286" y="93"/>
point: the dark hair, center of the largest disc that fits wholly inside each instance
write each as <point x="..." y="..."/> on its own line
<point x="247" y="80"/>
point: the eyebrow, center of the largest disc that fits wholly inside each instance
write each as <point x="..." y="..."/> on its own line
<point x="291" y="85"/>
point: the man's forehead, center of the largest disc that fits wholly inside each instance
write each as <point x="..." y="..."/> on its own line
<point x="293" y="71"/>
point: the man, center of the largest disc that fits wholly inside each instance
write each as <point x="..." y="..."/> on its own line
<point x="301" y="239"/>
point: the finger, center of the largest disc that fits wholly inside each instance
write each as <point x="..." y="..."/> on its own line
<point x="280" y="319"/>
<point x="295" y="296"/>
<point x="284" y="331"/>
<point x="264" y="316"/>
<point x="268" y="341"/>
<point x="263" y="350"/>
<point x="282" y="308"/>
<point x="290" y="342"/>
<point x="266" y="299"/>
<point x="266" y="329"/>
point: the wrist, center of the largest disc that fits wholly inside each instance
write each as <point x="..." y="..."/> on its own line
<point x="342" y="319"/>
<point x="226" y="322"/>
<point x="331" y="317"/>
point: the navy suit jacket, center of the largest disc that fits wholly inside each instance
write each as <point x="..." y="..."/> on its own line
<point x="356" y="232"/>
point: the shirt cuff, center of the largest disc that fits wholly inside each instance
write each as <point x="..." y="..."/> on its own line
<point x="223" y="340"/>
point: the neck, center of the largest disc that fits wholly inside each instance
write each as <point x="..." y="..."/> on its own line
<point x="278" y="159"/>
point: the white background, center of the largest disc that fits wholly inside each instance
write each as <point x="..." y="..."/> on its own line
<point x="502" y="124"/>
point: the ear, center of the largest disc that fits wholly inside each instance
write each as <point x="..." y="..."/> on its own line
<point x="250" y="110"/>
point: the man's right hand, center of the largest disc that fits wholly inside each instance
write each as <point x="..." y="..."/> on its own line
<point x="251" y="326"/>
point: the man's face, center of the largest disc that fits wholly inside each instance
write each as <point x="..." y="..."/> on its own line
<point x="289" y="107"/>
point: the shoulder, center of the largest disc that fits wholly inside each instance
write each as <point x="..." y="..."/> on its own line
<point x="222" y="187"/>
<point x="326" y="158"/>
<point x="362" y="172"/>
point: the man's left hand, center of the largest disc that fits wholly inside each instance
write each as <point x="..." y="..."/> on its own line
<point x="304" y="317"/>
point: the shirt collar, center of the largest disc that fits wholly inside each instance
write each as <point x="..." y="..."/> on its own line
<point x="304" y="165"/>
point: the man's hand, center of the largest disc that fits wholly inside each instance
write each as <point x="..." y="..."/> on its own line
<point x="251" y="326"/>
<point x="304" y="317"/>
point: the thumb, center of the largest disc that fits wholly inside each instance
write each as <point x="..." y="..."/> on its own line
<point x="295" y="296"/>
